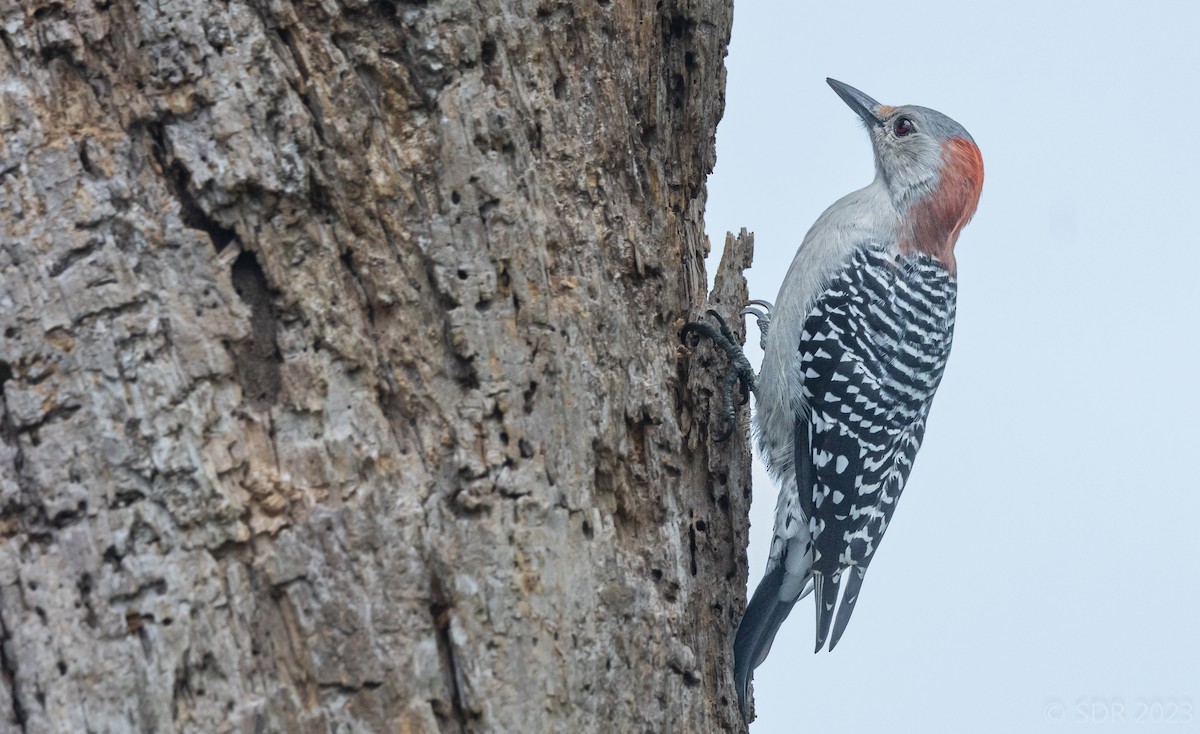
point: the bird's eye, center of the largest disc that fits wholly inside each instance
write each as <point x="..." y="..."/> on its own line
<point x="903" y="126"/>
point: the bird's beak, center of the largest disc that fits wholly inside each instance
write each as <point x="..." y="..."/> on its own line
<point x="859" y="102"/>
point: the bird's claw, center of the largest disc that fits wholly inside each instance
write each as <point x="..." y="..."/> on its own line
<point x="760" y="302"/>
<point x="742" y="374"/>
<point x="762" y="317"/>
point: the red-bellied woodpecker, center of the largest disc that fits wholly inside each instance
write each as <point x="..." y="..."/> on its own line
<point x="855" y="346"/>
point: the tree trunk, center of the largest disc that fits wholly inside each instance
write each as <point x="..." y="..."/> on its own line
<point x="339" y="368"/>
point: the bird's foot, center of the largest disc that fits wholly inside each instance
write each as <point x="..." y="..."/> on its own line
<point x="763" y="317"/>
<point x="742" y="374"/>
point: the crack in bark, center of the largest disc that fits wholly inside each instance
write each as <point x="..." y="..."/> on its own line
<point x="8" y="669"/>
<point x="301" y="86"/>
<point x="74" y="255"/>
<point x="54" y="415"/>
<point x="85" y="318"/>
<point x="440" y="609"/>
<point x="10" y="434"/>
<point x="692" y="539"/>
<point x="175" y="175"/>
<point x="349" y="689"/>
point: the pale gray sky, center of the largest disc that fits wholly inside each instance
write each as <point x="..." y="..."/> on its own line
<point x="1042" y="573"/>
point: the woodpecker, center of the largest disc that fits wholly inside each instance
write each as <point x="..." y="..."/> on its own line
<point x="854" y="348"/>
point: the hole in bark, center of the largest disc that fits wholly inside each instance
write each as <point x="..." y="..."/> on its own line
<point x="455" y="197"/>
<point x="257" y="358"/>
<point x="11" y="332"/>
<point x="656" y="574"/>
<point x="504" y="437"/>
<point x="701" y="526"/>
<point x="689" y="60"/>
<point x="677" y="91"/>
<point x="723" y="502"/>
<point x="41" y="614"/>
<point x="487" y="52"/>
<point x="85" y="160"/>
<point x="483" y="305"/>
<point x="62" y="668"/>
<point x="33" y="586"/>
<point x="587" y="530"/>
<point x="529" y="394"/>
<point x="526" y="449"/>
<point x="678" y="26"/>
<point x="112" y="556"/>
<point x="462" y="274"/>
<point x="560" y="87"/>
<point x="125" y="498"/>
<point x="64" y="518"/>
<point x="466" y="374"/>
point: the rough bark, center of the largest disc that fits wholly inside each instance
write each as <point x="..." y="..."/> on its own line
<point x="339" y="377"/>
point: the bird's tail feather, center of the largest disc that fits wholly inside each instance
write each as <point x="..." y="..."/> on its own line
<point x="826" y="602"/>
<point x="846" y="607"/>
<point x="830" y="600"/>
<point x="764" y="615"/>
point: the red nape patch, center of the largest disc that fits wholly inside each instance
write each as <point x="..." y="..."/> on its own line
<point x="935" y="222"/>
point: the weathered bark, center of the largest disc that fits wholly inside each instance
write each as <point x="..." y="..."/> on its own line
<point x="338" y="365"/>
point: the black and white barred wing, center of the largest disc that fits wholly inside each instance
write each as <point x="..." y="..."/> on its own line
<point x="872" y="354"/>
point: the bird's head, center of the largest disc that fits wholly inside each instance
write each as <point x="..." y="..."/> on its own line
<point x="930" y="165"/>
